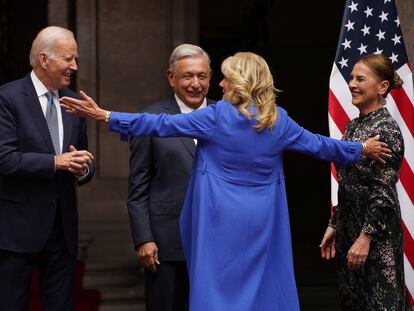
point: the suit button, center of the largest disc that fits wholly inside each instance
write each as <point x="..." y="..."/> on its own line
<point x="53" y="202"/>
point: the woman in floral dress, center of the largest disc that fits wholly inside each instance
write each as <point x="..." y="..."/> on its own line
<point x="365" y="233"/>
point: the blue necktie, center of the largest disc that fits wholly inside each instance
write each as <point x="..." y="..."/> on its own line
<point x="52" y="121"/>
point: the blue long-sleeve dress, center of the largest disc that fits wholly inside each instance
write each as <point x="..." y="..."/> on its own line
<point x="235" y="223"/>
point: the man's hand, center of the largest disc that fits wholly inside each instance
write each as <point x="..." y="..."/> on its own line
<point x="148" y="256"/>
<point x="74" y="161"/>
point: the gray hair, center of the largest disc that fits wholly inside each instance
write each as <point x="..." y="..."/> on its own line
<point x="187" y="50"/>
<point x="45" y="41"/>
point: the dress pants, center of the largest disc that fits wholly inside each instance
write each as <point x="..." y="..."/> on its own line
<point x="56" y="270"/>
<point x="167" y="289"/>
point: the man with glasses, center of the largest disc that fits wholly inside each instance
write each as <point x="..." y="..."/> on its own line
<point x="159" y="172"/>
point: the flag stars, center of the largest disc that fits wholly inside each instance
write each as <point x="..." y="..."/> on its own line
<point x="368" y="12"/>
<point x="380" y="35"/>
<point x="383" y="16"/>
<point x="369" y="27"/>
<point x="365" y="30"/>
<point x="378" y="51"/>
<point x="396" y="39"/>
<point x="353" y="6"/>
<point x="394" y="58"/>
<point x="362" y="49"/>
<point x="347" y="44"/>
<point x="343" y="62"/>
<point x="397" y="21"/>
<point x="350" y="25"/>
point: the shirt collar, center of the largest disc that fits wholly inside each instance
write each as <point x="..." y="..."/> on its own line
<point x="40" y="88"/>
<point x="184" y="108"/>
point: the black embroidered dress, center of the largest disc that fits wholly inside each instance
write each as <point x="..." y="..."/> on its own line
<point x="368" y="202"/>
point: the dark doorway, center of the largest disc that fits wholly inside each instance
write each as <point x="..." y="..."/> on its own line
<point x="20" y="21"/>
<point x="298" y="39"/>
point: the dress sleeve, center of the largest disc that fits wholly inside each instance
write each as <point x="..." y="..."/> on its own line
<point x="332" y="220"/>
<point x="199" y="124"/>
<point x="383" y="200"/>
<point x="298" y="139"/>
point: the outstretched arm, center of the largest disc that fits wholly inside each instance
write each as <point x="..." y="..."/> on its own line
<point x="343" y="153"/>
<point x="200" y="124"/>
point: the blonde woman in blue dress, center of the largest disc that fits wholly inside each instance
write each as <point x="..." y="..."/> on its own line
<point x="235" y="223"/>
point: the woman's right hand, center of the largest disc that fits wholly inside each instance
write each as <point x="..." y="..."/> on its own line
<point x="327" y="246"/>
<point x="376" y="149"/>
<point x="86" y="107"/>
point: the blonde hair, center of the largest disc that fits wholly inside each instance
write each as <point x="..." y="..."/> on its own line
<point x="251" y="83"/>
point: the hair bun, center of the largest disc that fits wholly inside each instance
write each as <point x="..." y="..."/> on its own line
<point x="398" y="82"/>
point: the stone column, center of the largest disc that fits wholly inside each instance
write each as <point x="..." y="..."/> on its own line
<point x="406" y="14"/>
<point x="58" y="13"/>
<point x="87" y="75"/>
<point x="124" y="48"/>
<point x="135" y="40"/>
<point x="184" y="22"/>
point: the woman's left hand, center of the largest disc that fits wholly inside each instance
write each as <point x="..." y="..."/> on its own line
<point x="86" y="108"/>
<point x="358" y="253"/>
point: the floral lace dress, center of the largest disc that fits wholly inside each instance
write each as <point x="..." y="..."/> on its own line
<point x="368" y="202"/>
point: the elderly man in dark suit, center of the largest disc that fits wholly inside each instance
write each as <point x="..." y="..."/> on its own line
<point x="43" y="155"/>
<point x="159" y="172"/>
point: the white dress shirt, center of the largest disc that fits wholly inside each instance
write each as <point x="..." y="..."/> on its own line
<point x="41" y="91"/>
<point x="185" y="109"/>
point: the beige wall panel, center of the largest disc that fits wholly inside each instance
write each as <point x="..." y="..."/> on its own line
<point x="406" y="13"/>
<point x="124" y="47"/>
<point x="133" y="49"/>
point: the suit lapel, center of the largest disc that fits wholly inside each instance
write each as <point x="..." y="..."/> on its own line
<point x="189" y="143"/>
<point x="32" y="103"/>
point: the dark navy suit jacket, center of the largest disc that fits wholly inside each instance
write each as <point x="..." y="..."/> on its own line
<point x="30" y="189"/>
<point x="159" y="172"/>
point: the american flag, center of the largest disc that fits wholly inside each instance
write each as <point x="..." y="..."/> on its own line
<point x="373" y="26"/>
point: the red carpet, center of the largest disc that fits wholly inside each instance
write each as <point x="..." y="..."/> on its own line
<point x="85" y="299"/>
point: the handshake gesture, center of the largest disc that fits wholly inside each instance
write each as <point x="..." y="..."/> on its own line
<point x="74" y="161"/>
